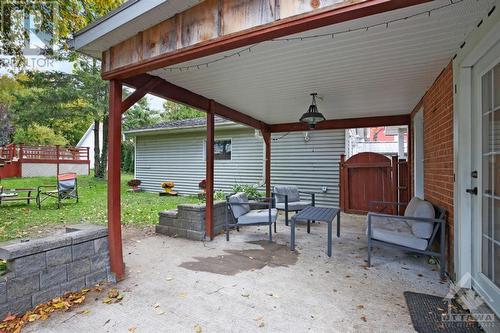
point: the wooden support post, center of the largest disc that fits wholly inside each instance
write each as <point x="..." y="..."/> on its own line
<point x="267" y="140"/>
<point x="342" y="183"/>
<point x="209" y="216"/>
<point x="114" y="163"/>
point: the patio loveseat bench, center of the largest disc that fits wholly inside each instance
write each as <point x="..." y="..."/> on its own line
<point x="415" y="231"/>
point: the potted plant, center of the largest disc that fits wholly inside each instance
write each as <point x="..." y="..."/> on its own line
<point x="203" y="187"/>
<point x="134" y="184"/>
<point x="168" y="187"/>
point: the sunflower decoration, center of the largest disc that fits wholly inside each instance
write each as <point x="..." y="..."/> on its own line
<point x="168" y="187"/>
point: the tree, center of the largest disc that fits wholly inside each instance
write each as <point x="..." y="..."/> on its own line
<point x="38" y="135"/>
<point x="140" y="115"/>
<point x="8" y="86"/>
<point x="53" y="22"/>
<point x="67" y="103"/>
<point x="176" y="111"/>
<point x="6" y="127"/>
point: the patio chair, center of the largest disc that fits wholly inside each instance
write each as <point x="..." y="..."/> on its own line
<point x="238" y="208"/>
<point x="415" y="231"/>
<point x="66" y="188"/>
<point x="288" y="199"/>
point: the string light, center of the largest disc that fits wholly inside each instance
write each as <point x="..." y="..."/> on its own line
<point x="302" y="38"/>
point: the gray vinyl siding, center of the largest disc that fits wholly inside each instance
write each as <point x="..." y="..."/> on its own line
<point x="180" y="157"/>
<point x="309" y="165"/>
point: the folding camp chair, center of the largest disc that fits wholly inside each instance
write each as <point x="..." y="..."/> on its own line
<point x="66" y="188"/>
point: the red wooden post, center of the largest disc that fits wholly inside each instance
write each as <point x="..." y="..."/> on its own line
<point x="267" y="140"/>
<point x="114" y="210"/>
<point x="209" y="223"/>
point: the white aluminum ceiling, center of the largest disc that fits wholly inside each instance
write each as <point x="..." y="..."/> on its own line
<point x="382" y="71"/>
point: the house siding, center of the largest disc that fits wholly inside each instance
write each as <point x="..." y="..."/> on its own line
<point x="437" y="105"/>
<point x="180" y="157"/>
<point x="309" y="164"/>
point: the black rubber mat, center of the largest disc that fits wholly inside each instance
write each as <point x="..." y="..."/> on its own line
<point x="429" y="314"/>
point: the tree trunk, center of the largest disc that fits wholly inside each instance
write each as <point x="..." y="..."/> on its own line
<point x="104" y="155"/>
<point x="97" y="149"/>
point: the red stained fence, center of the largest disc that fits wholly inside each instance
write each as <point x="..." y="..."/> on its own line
<point x="369" y="177"/>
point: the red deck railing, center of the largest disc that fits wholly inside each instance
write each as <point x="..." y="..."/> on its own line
<point x="49" y="154"/>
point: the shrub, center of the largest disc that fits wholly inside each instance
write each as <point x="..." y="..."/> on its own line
<point x="250" y="190"/>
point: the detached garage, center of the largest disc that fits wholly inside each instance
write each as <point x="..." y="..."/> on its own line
<point x="176" y="151"/>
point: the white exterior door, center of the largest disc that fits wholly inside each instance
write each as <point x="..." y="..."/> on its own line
<point x="486" y="177"/>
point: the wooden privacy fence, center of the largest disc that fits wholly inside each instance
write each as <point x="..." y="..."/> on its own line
<point x="369" y="177"/>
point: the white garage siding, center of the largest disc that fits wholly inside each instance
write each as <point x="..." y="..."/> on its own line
<point x="310" y="164"/>
<point x="179" y="157"/>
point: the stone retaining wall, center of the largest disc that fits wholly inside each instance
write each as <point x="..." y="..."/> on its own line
<point x="188" y="221"/>
<point x="39" y="270"/>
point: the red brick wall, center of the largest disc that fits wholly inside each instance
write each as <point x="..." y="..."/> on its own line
<point x="437" y="105"/>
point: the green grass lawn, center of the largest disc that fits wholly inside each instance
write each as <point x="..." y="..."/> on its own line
<point x="17" y="218"/>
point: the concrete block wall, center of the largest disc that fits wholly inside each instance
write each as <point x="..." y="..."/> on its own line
<point x="188" y="221"/>
<point x="39" y="270"/>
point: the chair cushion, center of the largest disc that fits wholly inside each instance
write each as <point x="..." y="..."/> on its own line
<point x="239" y="210"/>
<point x="291" y="191"/>
<point x="67" y="185"/>
<point x="297" y="205"/>
<point x="424" y="209"/>
<point x="258" y="216"/>
<point x="399" y="238"/>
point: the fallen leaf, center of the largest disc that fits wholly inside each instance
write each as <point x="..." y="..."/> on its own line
<point x="363" y="318"/>
<point x="156" y="306"/>
<point x="261" y="324"/>
<point x="132" y="329"/>
<point x="113" y="293"/>
<point x="169" y="279"/>
<point x="360" y="306"/>
<point x="107" y="300"/>
<point x="259" y="318"/>
<point x="197" y="328"/>
<point x="245" y="295"/>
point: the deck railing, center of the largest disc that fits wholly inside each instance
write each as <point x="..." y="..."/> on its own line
<point x="44" y="153"/>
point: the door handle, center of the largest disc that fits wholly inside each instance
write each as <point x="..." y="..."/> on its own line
<point x="472" y="190"/>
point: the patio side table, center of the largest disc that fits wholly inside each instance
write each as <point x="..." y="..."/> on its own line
<point x="322" y="214"/>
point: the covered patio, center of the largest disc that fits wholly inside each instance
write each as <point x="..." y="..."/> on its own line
<point x="369" y="61"/>
<point x="251" y="285"/>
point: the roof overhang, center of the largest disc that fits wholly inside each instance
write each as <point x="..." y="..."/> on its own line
<point x="126" y="21"/>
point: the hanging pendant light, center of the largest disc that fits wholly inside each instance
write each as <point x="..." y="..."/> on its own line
<point x="312" y="116"/>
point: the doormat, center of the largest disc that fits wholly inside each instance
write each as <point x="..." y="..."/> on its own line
<point x="430" y="314"/>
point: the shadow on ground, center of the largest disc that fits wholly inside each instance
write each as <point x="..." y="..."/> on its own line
<point x="236" y="261"/>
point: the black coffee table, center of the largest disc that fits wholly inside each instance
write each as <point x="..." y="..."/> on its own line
<point x="321" y="214"/>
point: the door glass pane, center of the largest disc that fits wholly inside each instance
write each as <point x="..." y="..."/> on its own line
<point x="487" y="225"/>
<point x="486" y="92"/>
<point x="497" y="264"/>
<point x="487" y="268"/>
<point x="496" y="85"/>
<point x="487" y="174"/>
<point x="487" y="132"/>
<point x="495" y="131"/>
<point x="496" y="222"/>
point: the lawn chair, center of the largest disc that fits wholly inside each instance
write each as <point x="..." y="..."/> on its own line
<point x="288" y="199"/>
<point x="238" y="207"/>
<point x="66" y="188"/>
<point x="413" y="232"/>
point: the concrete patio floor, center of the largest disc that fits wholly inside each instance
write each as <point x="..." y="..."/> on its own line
<point x="246" y="285"/>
